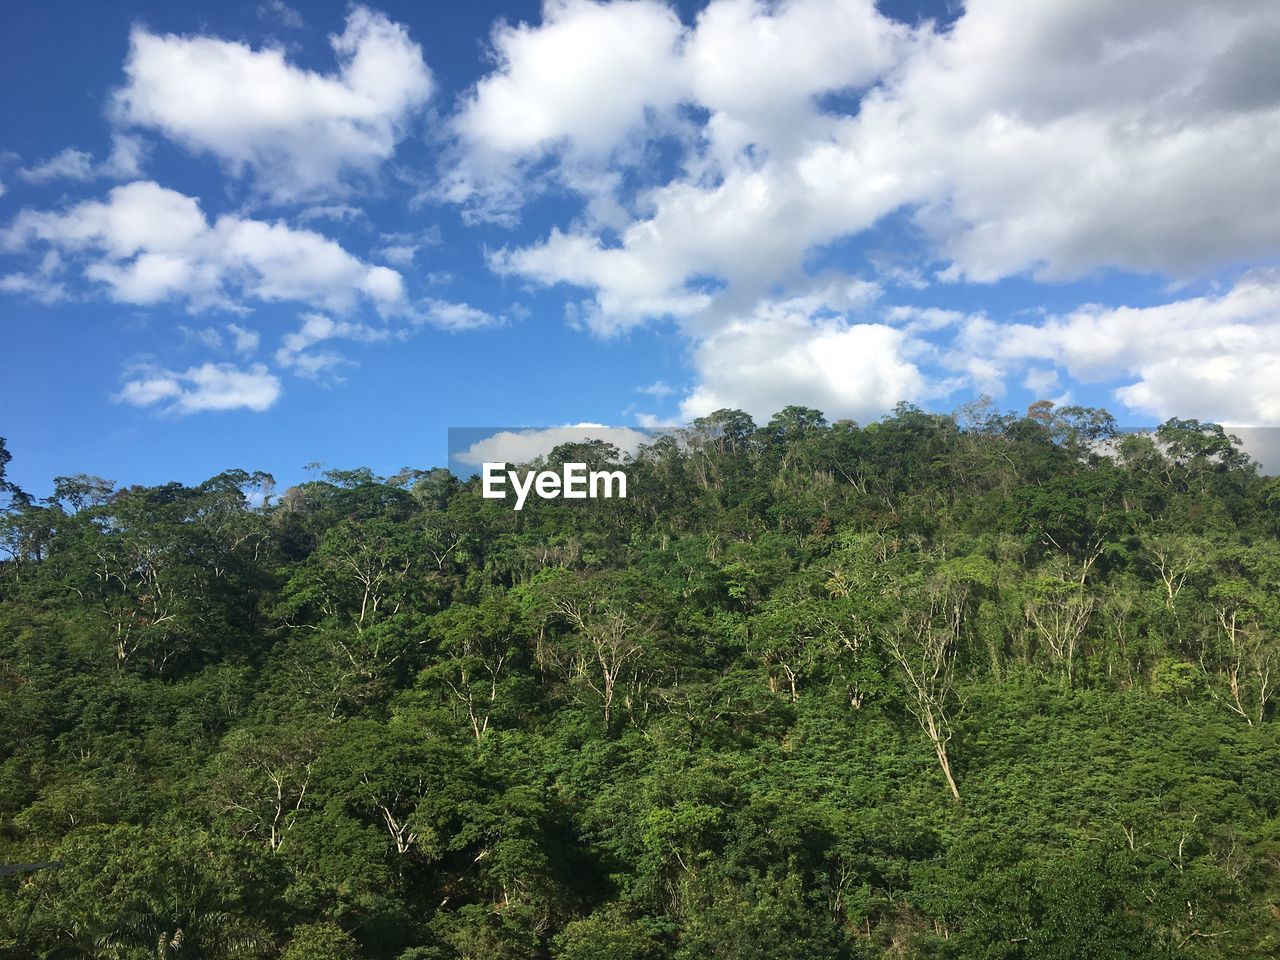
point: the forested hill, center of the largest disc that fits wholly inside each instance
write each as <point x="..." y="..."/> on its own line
<point x="995" y="687"/>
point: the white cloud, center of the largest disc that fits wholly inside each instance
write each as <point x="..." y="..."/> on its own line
<point x="70" y="164"/>
<point x="40" y="288"/>
<point x="281" y="13"/>
<point x="210" y="386"/>
<point x="744" y="66"/>
<point x="586" y="75"/>
<point x="457" y="316"/>
<point x="658" y="389"/>
<point x="244" y="341"/>
<point x="402" y="248"/>
<point x="294" y="352"/>
<point x="297" y="349"/>
<point x="1216" y="354"/>
<point x="745" y="207"/>
<point x="297" y="131"/>
<point x="42" y="284"/>
<point x="580" y="82"/>
<point x="522" y="446"/>
<point x="123" y="163"/>
<point x="1053" y="138"/>
<point x="594" y="80"/>
<point x="125" y="160"/>
<point x="401" y="254"/>
<point x="147" y="244"/>
<point x="628" y="289"/>
<point x="1041" y="381"/>
<point x="1073" y="128"/>
<point x="922" y="319"/>
<point x="208" y="337"/>
<point x="784" y="354"/>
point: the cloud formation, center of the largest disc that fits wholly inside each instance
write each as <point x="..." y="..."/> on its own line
<point x="1054" y="139"/>
<point x="295" y="131"/>
<point x="1051" y="140"/>
<point x="147" y="244"/>
<point x="573" y="87"/>
<point x="295" y="351"/>
<point x="1216" y="354"/>
<point x="123" y="163"/>
<point x="766" y="178"/>
<point x="765" y="362"/>
<point x="208" y="387"/>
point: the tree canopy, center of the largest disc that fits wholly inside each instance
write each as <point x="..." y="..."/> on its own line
<point x="970" y="686"/>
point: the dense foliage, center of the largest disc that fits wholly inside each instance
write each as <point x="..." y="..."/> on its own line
<point x="978" y="686"/>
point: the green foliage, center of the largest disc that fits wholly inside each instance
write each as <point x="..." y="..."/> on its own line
<point x="984" y="686"/>
<point x="320" y="941"/>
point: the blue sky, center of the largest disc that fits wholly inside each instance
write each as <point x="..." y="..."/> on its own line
<point x="258" y="236"/>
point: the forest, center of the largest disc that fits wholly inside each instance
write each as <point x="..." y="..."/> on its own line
<point x="986" y="685"/>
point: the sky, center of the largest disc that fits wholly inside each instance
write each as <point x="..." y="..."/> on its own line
<point x="262" y="235"/>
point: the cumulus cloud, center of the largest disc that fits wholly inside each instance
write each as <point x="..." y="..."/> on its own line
<point x="1055" y="139"/>
<point x="743" y="67"/>
<point x="522" y="446"/>
<point x="594" y="81"/>
<point x="784" y="354"/>
<point x="1215" y="354"/>
<point x="586" y="75"/>
<point x="297" y="132"/>
<point x="580" y="82"/>
<point x="1051" y="140"/>
<point x="147" y="244"/>
<point x="210" y="386"/>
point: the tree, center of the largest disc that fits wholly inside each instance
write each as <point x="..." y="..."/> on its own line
<point x="1244" y="647"/>
<point x="82" y="490"/>
<point x="923" y="643"/>
<point x="412" y="788"/>
<point x="477" y="647"/>
<point x="1058" y="610"/>
<point x="609" y="642"/>
<point x="9" y="490"/>
<point x="393" y="720"/>
<point x="321" y="941"/>
<point x="262" y="777"/>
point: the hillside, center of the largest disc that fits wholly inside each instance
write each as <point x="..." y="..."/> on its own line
<point x="973" y="686"/>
